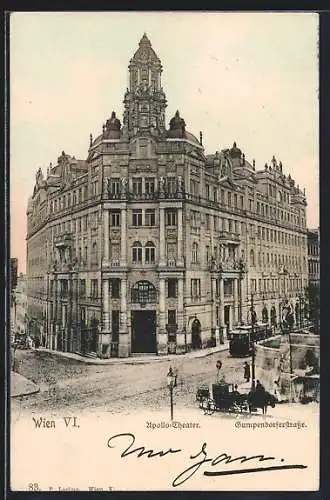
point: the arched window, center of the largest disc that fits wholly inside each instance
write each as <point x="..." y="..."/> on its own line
<point x="137" y="252"/>
<point x="149" y="252"/>
<point x="144" y="292"/>
<point x="194" y="253"/>
<point x="252" y="263"/>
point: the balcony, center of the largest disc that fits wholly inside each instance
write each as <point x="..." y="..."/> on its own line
<point x="229" y="238"/>
<point x="63" y="239"/>
<point x="228" y="265"/>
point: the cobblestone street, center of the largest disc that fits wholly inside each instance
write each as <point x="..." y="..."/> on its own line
<point x="117" y="388"/>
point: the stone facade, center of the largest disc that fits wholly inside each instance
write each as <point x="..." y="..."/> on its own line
<point x="152" y="245"/>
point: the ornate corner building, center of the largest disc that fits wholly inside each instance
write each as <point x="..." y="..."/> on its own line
<point x="153" y="246"/>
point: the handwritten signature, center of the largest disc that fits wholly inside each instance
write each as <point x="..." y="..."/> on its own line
<point x="202" y="458"/>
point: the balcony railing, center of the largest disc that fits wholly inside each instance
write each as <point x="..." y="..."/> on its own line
<point x="230" y="237"/>
<point x="171" y="329"/>
<point x="228" y="265"/>
<point x="63" y="239"/>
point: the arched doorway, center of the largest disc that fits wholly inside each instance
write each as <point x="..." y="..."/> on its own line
<point x="264" y="314"/>
<point x="93" y="340"/>
<point x="273" y="316"/>
<point x="143" y="318"/>
<point x="196" y="340"/>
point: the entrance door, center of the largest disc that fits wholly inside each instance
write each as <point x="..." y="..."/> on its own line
<point x="226" y="318"/>
<point x="144" y="331"/>
<point x="196" y="341"/>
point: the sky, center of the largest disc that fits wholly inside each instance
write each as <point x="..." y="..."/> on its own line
<point x="245" y="77"/>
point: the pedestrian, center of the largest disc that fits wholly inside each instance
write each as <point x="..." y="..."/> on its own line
<point x="246" y="371"/>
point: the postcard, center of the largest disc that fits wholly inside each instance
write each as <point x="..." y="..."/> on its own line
<point x="164" y="287"/>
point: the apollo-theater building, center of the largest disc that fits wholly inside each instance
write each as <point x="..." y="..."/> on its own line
<point x="152" y="245"/>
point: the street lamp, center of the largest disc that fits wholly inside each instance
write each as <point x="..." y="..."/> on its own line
<point x="253" y="361"/>
<point x="171" y="383"/>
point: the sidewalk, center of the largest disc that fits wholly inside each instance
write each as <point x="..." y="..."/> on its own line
<point x="21" y="386"/>
<point x="135" y="360"/>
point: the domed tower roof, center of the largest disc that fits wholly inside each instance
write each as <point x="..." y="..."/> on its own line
<point x="145" y="52"/>
<point x="235" y="152"/>
<point x="178" y="129"/>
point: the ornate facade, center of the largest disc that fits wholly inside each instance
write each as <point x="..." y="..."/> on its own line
<point x="152" y="245"/>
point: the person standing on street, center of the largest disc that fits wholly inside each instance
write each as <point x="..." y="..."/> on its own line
<point x="246" y="372"/>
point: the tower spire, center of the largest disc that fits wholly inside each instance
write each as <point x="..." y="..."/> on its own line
<point x="145" y="101"/>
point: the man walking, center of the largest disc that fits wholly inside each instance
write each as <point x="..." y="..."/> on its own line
<point x="246" y="371"/>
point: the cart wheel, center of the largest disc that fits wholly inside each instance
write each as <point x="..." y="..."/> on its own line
<point x="208" y="405"/>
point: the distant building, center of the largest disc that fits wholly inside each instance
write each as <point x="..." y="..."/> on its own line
<point x="13" y="272"/>
<point x="20" y="309"/>
<point x="151" y="245"/>
<point x="313" y="242"/>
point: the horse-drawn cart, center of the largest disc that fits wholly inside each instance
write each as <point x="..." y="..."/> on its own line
<point x="226" y="398"/>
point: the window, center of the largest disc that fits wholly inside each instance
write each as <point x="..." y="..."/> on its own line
<point x="215" y="194"/>
<point x="82" y="288"/>
<point x="115" y="288"/>
<point x="170" y="217"/>
<point x="207" y="191"/>
<point x="114" y="187"/>
<point x="195" y="288"/>
<point x="194" y="253"/>
<point x="222" y="196"/>
<point x="94" y="256"/>
<point x="194" y="218"/>
<point x="137" y="185"/>
<point x="150" y="217"/>
<point x="144" y="292"/>
<point x="94" y="188"/>
<point x="137" y="217"/>
<point x="207" y="253"/>
<point x="253" y="285"/>
<point x="94" y="288"/>
<point x="171" y="185"/>
<point x="137" y="253"/>
<point x="115" y="218"/>
<point x="150" y="185"/>
<point x="172" y="288"/>
<point x="171" y="317"/>
<point x="207" y="222"/>
<point x="252" y="262"/>
<point x="229" y="199"/>
<point x="228" y="287"/>
<point x="149" y="252"/>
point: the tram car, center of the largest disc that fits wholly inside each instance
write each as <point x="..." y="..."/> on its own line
<point x="241" y="339"/>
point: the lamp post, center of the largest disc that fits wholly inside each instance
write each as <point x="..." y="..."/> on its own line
<point x="171" y="383"/>
<point x="253" y="361"/>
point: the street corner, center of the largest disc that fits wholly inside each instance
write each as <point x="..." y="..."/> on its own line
<point x="21" y="386"/>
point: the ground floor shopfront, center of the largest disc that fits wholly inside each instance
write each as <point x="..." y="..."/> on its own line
<point x="145" y="314"/>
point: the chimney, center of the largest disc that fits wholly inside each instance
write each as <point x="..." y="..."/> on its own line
<point x="201" y="138"/>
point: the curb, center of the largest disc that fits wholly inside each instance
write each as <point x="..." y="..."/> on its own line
<point x="131" y="360"/>
<point x="29" y="393"/>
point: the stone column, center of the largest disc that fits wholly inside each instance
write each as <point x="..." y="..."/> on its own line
<point x="161" y="237"/>
<point x="180" y="237"/>
<point x="106" y="236"/>
<point x="123" y="255"/>
<point x="235" y="301"/>
<point x="180" y="337"/>
<point x="123" y="350"/>
<point x="89" y="247"/>
<point x="105" y="338"/>
<point x="214" y="298"/>
<point x="221" y="309"/>
<point x="162" y="334"/>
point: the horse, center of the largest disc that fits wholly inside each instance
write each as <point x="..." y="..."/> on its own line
<point x="260" y="400"/>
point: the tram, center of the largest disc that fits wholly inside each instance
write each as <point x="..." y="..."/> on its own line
<point x="241" y="339"/>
